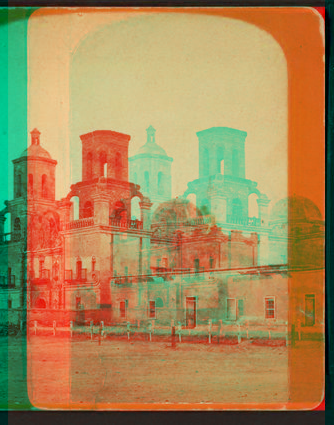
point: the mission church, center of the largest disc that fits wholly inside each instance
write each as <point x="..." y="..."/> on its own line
<point x="118" y="248"/>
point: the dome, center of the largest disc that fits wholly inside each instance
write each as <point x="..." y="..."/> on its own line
<point x="36" y="150"/>
<point x="151" y="148"/>
<point x="298" y="208"/>
<point x="179" y="210"/>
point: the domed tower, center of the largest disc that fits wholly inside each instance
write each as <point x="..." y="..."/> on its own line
<point x="151" y="169"/>
<point x="34" y="172"/>
<point x="34" y="186"/>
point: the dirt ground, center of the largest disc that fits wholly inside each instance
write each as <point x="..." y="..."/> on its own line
<point x="143" y="372"/>
<point x="80" y="374"/>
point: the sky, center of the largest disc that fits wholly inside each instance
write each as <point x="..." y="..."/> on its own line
<point x="180" y="73"/>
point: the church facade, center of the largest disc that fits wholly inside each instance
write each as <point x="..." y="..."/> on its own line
<point x="117" y="248"/>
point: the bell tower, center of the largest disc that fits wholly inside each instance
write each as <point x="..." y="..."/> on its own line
<point x="105" y="154"/>
<point x="222" y="188"/>
<point x="34" y="172"/>
<point x="151" y="169"/>
<point x="221" y="151"/>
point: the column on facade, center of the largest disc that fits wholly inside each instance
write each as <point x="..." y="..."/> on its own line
<point x="242" y="170"/>
<point x="212" y="151"/>
<point x="145" y="207"/>
<point x="101" y="209"/>
<point x="263" y="203"/>
<point x="65" y="210"/>
<point x="218" y="207"/>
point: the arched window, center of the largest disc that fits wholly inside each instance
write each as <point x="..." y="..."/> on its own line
<point x="222" y="167"/>
<point x="44" y="186"/>
<point x="75" y="207"/>
<point x="89" y="165"/>
<point x="17" y="229"/>
<point x="220" y="160"/>
<point x="159" y="303"/>
<point x="161" y="182"/>
<point x="88" y="210"/>
<point x="147" y="180"/>
<point x="237" y="207"/>
<point x="30" y="184"/>
<point x="103" y="162"/>
<point x="135" y="209"/>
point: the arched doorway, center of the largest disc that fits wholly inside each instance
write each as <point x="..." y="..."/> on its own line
<point x="75" y="208"/>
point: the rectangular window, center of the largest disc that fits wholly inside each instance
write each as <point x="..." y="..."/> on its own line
<point x="164" y="262"/>
<point x="9" y="303"/>
<point x="309" y="309"/>
<point x="240" y="308"/>
<point x="151" y="312"/>
<point x="211" y="262"/>
<point x="270" y="308"/>
<point x="231" y="309"/>
<point x="196" y="263"/>
<point x="77" y="302"/>
<point x="126" y="273"/>
<point x="122" y="309"/>
<point x="191" y="306"/>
